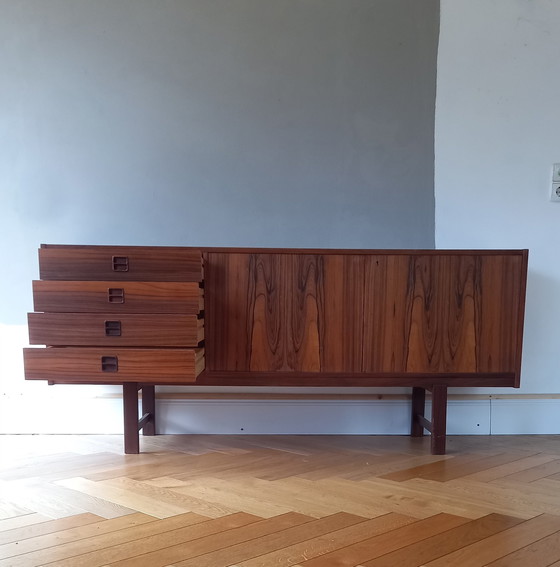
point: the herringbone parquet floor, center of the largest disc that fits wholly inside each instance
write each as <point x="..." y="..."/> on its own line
<point x="247" y="501"/>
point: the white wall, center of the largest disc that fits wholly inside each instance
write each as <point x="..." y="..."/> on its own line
<point x="497" y="136"/>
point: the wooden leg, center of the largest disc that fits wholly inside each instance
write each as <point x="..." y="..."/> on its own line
<point x="149" y="409"/>
<point x="130" y="409"/>
<point x="417" y="411"/>
<point x="439" y="419"/>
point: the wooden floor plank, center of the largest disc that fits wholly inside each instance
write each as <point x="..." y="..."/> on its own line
<point x="70" y="552"/>
<point x="322" y="545"/>
<point x="513" y="499"/>
<point x="272" y="542"/>
<point x="172" y="497"/>
<point x="501" y="544"/>
<point x="23" y="521"/>
<point x="431" y="496"/>
<point x="309" y="502"/>
<point x="390" y="465"/>
<point x="68" y="530"/>
<point x="388" y="496"/>
<point x="539" y="554"/>
<point x="338" y="494"/>
<point x="67" y="497"/>
<point x="23" y="467"/>
<point x="233" y="500"/>
<point x="460" y="470"/>
<point x="471" y="499"/>
<point x="41" y="525"/>
<point x="249" y="464"/>
<point x="27" y="493"/>
<point x="377" y="546"/>
<point x="328" y="464"/>
<point x="444" y="543"/>
<point x="274" y="493"/>
<point x="145" y="466"/>
<point x="56" y="466"/>
<point x="455" y="468"/>
<point x="437" y="467"/>
<point x="535" y="473"/>
<point x="121" y="497"/>
<point x="512" y="467"/>
<point x="231" y="540"/>
<point x="507" y="500"/>
<point x="9" y="509"/>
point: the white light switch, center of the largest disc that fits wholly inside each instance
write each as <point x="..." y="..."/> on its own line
<point x="555" y="195"/>
<point x="556" y="173"/>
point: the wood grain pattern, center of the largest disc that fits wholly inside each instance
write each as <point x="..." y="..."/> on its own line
<point x="266" y="308"/>
<point x="341" y="294"/>
<point x="386" y="314"/>
<point x="226" y="296"/>
<point x="425" y="313"/>
<point x="89" y="329"/>
<point x="143" y="263"/>
<point x="139" y="297"/>
<point x="284" y="312"/>
<point x="153" y="366"/>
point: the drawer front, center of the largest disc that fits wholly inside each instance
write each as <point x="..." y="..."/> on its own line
<point x="93" y="329"/>
<point x="117" y="297"/>
<point x="120" y="263"/>
<point x="113" y="365"/>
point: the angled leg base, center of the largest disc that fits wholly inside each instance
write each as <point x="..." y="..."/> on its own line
<point x="437" y="426"/>
<point x="132" y="424"/>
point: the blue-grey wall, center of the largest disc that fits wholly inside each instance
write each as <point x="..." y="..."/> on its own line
<point x="304" y="123"/>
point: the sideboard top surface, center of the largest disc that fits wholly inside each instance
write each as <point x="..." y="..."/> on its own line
<point x="321" y="251"/>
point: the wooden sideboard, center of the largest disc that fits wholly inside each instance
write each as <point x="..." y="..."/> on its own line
<point x="146" y="316"/>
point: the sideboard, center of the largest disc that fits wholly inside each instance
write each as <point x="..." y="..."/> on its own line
<point x="146" y="316"/>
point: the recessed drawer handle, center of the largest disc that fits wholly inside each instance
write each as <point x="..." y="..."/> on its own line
<point x="112" y="328"/>
<point x="120" y="263"/>
<point x="115" y="295"/>
<point x="109" y="364"/>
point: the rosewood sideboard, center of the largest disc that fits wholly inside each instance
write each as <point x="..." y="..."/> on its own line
<point x="146" y="316"/>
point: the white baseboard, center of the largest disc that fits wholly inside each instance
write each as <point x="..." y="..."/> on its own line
<point x="52" y="414"/>
<point x="525" y="416"/>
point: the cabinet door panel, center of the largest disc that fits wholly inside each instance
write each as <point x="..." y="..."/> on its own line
<point x="284" y="312"/>
<point x="387" y="311"/>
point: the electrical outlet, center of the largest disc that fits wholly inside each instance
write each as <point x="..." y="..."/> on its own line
<point x="555" y="195"/>
<point x="556" y="173"/>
